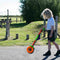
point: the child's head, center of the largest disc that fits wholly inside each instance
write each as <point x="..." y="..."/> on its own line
<point x="47" y="13"/>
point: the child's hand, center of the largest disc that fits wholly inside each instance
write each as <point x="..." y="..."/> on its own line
<point x="50" y="35"/>
<point x="44" y="26"/>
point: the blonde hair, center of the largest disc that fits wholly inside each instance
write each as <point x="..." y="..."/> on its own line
<point x="47" y="13"/>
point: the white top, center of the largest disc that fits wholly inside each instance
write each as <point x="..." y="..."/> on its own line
<point x="50" y="23"/>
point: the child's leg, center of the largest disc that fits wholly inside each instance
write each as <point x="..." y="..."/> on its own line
<point x="49" y="45"/>
<point x="58" y="51"/>
<point x="56" y="45"/>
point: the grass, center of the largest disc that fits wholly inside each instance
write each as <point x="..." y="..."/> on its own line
<point x="23" y="29"/>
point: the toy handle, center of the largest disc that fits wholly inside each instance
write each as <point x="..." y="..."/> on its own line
<point x="41" y="31"/>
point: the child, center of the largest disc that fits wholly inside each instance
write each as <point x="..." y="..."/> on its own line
<point x="47" y="14"/>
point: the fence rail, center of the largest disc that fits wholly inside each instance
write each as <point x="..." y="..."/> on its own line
<point x="11" y="16"/>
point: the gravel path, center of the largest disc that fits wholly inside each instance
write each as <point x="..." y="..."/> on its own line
<point x="20" y="53"/>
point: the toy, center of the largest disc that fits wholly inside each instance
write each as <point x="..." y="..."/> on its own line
<point x="30" y="49"/>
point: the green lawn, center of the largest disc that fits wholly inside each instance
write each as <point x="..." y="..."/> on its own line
<point x="23" y="29"/>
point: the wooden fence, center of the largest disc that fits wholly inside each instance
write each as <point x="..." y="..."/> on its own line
<point x="4" y="18"/>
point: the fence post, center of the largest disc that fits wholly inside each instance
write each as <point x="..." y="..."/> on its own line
<point x="1" y="24"/>
<point x="10" y="21"/>
<point x="44" y="25"/>
<point x="7" y="26"/>
<point x="16" y="19"/>
<point x="27" y="37"/>
<point x="20" y="19"/>
<point x="56" y="24"/>
<point x="16" y="36"/>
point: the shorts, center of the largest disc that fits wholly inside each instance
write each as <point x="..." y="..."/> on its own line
<point x="52" y="39"/>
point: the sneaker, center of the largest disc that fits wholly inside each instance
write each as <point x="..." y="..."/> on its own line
<point x="57" y="53"/>
<point x="48" y="53"/>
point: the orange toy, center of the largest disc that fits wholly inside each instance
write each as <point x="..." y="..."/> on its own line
<point x="30" y="49"/>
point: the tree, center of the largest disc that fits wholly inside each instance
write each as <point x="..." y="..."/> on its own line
<point x="31" y="9"/>
<point x="54" y="6"/>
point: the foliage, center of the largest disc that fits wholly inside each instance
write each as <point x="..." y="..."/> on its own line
<point x="31" y="9"/>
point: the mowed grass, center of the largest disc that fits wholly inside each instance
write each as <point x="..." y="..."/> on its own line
<point x="23" y="29"/>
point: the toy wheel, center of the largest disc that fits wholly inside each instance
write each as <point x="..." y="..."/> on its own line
<point x="30" y="49"/>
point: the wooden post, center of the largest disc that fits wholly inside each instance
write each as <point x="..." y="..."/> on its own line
<point x="10" y="20"/>
<point x="44" y="25"/>
<point x="27" y="37"/>
<point x="16" y="36"/>
<point x="56" y="24"/>
<point x="20" y="19"/>
<point x="7" y="26"/>
<point x="16" y="19"/>
<point x="1" y="24"/>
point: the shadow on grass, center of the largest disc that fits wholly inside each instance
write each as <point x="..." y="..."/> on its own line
<point x="15" y="39"/>
<point x="40" y="26"/>
<point x="18" y="25"/>
<point x="3" y="39"/>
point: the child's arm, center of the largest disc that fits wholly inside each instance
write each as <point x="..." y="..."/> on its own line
<point x="45" y="26"/>
<point x="52" y="28"/>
